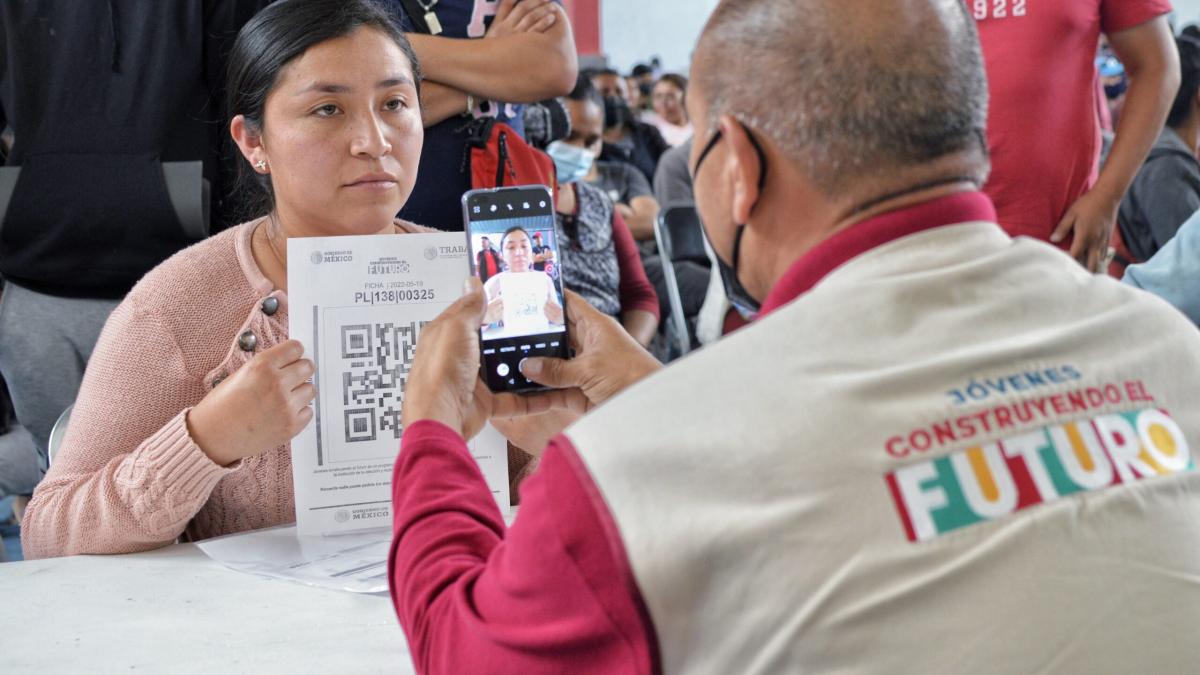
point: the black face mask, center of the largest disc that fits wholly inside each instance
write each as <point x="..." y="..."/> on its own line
<point x="616" y="112"/>
<point x="734" y="290"/>
<point x="1113" y="91"/>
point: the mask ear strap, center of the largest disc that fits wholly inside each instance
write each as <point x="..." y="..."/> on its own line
<point x="708" y="147"/>
<point x="762" y="156"/>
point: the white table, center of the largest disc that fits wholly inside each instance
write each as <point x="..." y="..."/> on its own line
<point x="176" y="611"/>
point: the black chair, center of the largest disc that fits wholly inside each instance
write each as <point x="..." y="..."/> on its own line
<point x="680" y="238"/>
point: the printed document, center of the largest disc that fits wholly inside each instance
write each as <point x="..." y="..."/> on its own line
<point x="358" y="304"/>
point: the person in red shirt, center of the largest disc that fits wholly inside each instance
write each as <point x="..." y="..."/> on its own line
<point x="487" y="262"/>
<point x="1043" y="131"/>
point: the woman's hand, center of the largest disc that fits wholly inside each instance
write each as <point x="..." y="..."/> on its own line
<point x="261" y="406"/>
<point x="554" y="312"/>
<point x="495" y="311"/>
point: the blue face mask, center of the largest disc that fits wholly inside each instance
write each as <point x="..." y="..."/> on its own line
<point x="571" y="163"/>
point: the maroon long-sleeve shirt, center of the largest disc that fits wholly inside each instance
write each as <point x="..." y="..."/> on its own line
<point x="552" y="594"/>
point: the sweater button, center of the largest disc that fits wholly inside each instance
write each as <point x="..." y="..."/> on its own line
<point x="270" y="306"/>
<point x="247" y="341"/>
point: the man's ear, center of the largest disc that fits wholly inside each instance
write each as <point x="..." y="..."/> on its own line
<point x="742" y="168"/>
<point x="249" y="140"/>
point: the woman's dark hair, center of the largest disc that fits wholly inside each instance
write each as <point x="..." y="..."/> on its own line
<point x="276" y="36"/>
<point x="680" y="82"/>
<point x="515" y="228"/>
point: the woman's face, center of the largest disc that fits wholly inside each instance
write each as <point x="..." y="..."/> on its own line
<point x="668" y="103"/>
<point x="342" y="136"/>
<point x="518" y="252"/>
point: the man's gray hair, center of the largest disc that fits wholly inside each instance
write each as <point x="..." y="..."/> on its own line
<point x="848" y="89"/>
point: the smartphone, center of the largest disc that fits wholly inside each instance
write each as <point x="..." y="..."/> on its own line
<point x="514" y="252"/>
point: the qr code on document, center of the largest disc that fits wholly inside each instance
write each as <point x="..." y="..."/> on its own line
<point x="376" y="358"/>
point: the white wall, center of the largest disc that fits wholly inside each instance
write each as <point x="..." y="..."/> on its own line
<point x="1186" y="11"/>
<point x="634" y="30"/>
<point x="631" y="31"/>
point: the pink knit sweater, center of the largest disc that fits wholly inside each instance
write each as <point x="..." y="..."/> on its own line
<point x="129" y="477"/>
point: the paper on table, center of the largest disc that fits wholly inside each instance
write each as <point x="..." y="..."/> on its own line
<point x="356" y="561"/>
<point x="358" y="304"/>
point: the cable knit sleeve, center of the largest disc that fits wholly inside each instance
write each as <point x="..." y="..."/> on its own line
<point x="128" y="476"/>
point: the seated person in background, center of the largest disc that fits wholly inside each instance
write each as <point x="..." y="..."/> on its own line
<point x="641" y="80"/>
<point x="634" y="97"/>
<point x="1166" y="190"/>
<point x="194" y="392"/>
<point x="700" y="291"/>
<point x="627" y="139"/>
<point x="488" y="262"/>
<point x="1174" y="272"/>
<point x="670" y="92"/>
<point x="521" y="300"/>
<point x="599" y="258"/>
<point x="673" y="178"/>
<point x="932" y="426"/>
<point x="624" y="184"/>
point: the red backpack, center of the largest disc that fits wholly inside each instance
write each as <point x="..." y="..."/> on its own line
<point x="501" y="158"/>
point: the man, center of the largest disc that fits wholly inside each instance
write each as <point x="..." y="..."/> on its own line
<point x="1043" y="132"/>
<point x="542" y="254"/>
<point x="610" y="83"/>
<point x="934" y="451"/>
<point x="115" y="165"/>
<point x="488" y="261"/>
<point x="627" y="139"/>
<point x="1166" y="191"/>
<point x="489" y="57"/>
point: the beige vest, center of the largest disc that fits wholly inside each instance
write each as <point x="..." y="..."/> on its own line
<point x="944" y="458"/>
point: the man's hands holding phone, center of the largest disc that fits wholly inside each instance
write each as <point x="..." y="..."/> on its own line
<point x="444" y="383"/>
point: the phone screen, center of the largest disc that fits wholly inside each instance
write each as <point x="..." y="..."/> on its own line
<point x="514" y="252"/>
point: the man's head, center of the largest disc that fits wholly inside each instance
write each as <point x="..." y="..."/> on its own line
<point x="849" y="101"/>
<point x="610" y="83"/>
<point x="537" y="238"/>
<point x="485" y="243"/>
<point x="1188" y="97"/>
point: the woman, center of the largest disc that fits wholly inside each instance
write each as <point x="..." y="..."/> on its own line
<point x="522" y="300"/>
<point x="193" y="394"/>
<point x="668" y="99"/>
<point x="600" y="258"/>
